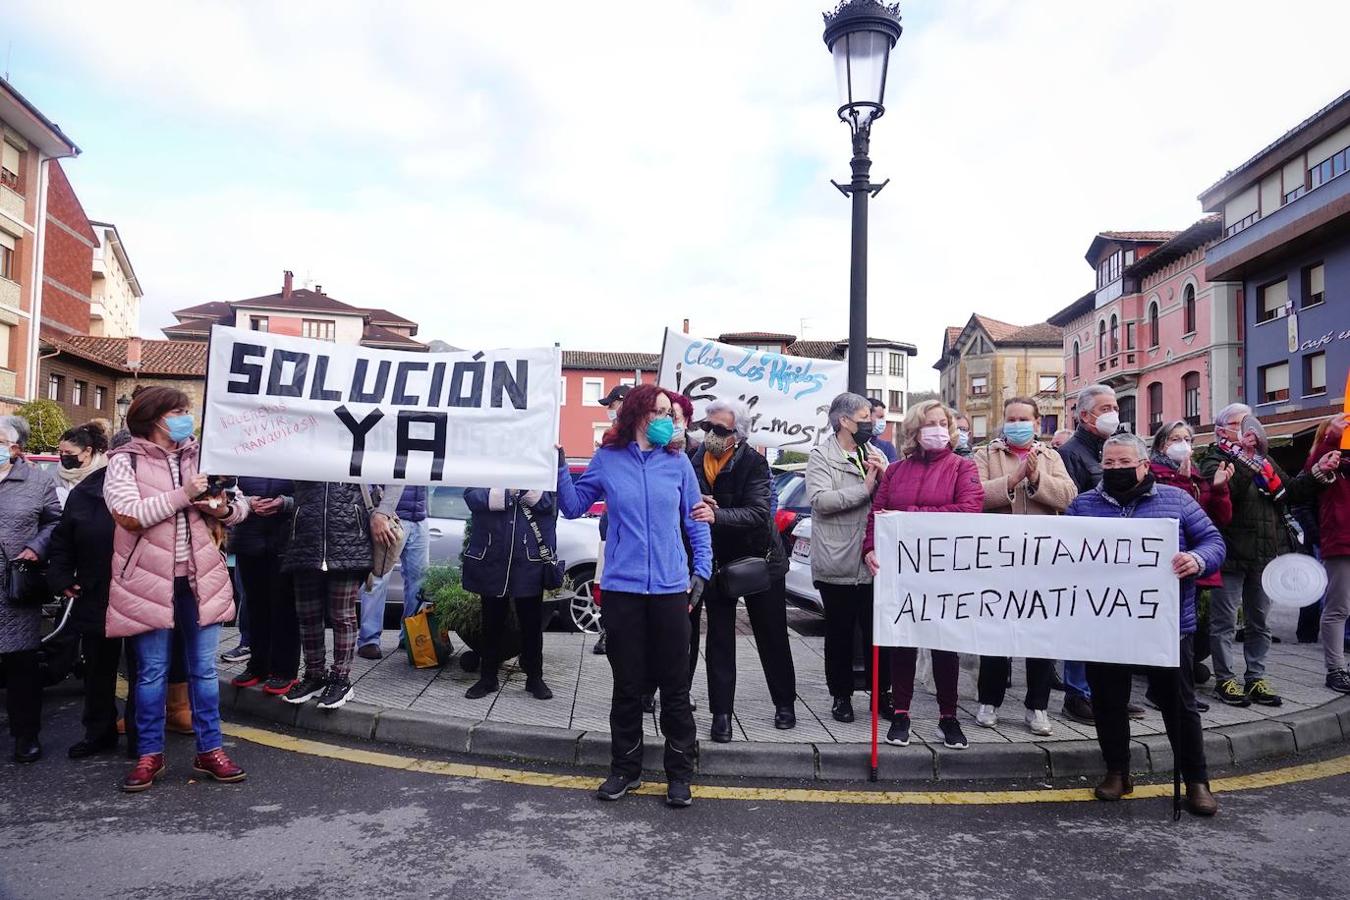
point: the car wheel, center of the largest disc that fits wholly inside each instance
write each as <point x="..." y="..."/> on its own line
<point x="583" y="614"/>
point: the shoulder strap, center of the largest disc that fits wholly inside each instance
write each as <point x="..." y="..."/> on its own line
<point x="365" y="496"/>
<point x="538" y="535"/>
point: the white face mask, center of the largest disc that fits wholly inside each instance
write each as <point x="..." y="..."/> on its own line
<point x="1179" y="451"/>
<point x="613" y="414"/>
<point x="934" y="437"/>
<point x="1108" y="423"/>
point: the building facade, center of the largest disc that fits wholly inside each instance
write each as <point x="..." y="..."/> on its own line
<point x="1285" y="247"/>
<point x="1161" y="334"/>
<point x="29" y="146"/>
<point x="115" y="307"/>
<point x="986" y="361"/>
<point x="587" y="376"/>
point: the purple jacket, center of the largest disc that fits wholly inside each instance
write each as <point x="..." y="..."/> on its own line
<point x="1195" y="532"/>
<point x="928" y="481"/>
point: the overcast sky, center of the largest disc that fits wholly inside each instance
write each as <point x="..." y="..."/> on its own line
<point x="590" y="173"/>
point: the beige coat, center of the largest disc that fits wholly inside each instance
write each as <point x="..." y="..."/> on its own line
<point x="1051" y="496"/>
<point x="840" y="502"/>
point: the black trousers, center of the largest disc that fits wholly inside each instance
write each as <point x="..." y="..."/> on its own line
<point x="695" y="632"/>
<point x="849" y="607"/>
<point x="993" y="684"/>
<point x="1174" y="691"/>
<point x="101" y="658"/>
<point x="649" y="636"/>
<point x="273" y="630"/>
<point x="529" y="615"/>
<point x="23" y="692"/>
<point x="768" y="619"/>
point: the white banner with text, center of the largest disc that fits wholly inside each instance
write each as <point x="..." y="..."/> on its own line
<point x="1048" y="587"/>
<point x="789" y="396"/>
<point x="291" y="407"/>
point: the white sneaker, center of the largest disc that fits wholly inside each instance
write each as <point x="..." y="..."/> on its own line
<point x="1038" y="721"/>
<point x="986" y="715"/>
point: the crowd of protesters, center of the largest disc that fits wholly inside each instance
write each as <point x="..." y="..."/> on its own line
<point x="137" y="538"/>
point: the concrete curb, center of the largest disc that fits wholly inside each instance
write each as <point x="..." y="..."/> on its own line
<point x="1247" y="743"/>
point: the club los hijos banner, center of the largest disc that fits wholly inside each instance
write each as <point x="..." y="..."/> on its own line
<point x="1047" y="587"/>
<point x="789" y="396"/>
<point x="291" y="407"/>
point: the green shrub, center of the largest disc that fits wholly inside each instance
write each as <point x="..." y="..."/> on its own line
<point x="46" y="422"/>
<point x="460" y="611"/>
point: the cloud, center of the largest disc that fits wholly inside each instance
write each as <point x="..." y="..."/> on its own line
<point x="591" y="173"/>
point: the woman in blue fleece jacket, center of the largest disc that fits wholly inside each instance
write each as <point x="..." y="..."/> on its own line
<point x="1127" y="490"/>
<point x="650" y="491"/>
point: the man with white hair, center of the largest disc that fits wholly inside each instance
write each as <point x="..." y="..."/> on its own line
<point x="1261" y="529"/>
<point x="735" y="483"/>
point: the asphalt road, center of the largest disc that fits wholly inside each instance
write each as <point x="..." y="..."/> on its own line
<point x="311" y="827"/>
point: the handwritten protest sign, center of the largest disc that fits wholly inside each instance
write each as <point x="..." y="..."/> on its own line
<point x="788" y="396"/>
<point x="1050" y="587"/>
<point x="289" y="407"/>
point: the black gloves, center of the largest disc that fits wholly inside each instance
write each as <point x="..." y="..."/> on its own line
<point x="696" y="584"/>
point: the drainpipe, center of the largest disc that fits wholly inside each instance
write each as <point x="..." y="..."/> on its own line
<point x="40" y="241"/>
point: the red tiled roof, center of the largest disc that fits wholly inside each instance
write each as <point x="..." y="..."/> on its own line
<point x="215" y="309"/>
<point x="1040" y="334"/>
<point x="817" y="349"/>
<point x="385" y="317"/>
<point x="953" y="333"/>
<point x="610" y="361"/>
<point x="1203" y="232"/>
<point x="377" y="334"/>
<point x="167" y="358"/>
<point x="301" y="300"/>
<point x="733" y="336"/>
<point x="191" y="326"/>
<point x="997" y="330"/>
<point x="1138" y="235"/>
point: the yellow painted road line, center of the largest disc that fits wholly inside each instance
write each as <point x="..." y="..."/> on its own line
<point x="1289" y="775"/>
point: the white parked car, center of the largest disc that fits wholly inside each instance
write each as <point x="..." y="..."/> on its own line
<point x="578" y="548"/>
<point x="801" y="591"/>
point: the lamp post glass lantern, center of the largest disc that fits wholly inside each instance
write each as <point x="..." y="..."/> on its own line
<point x="860" y="35"/>
<point x="123" y="404"/>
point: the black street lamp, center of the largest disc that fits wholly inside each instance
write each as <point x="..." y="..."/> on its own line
<point x="860" y="35"/>
<point x="123" y="404"/>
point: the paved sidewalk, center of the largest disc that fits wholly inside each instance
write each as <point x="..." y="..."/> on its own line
<point x="427" y="706"/>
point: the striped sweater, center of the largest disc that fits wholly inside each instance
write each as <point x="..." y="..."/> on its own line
<point x="123" y="496"/>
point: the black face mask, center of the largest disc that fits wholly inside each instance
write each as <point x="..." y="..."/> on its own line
<point x="864" y="432"/>
<point x="70" y="461"/>
<point x="1119" y="482"/>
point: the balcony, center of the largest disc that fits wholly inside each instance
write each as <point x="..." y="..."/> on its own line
<point x="11" y="202"/>
<point x="1301" y="222"/>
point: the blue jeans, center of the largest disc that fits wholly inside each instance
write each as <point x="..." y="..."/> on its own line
<point x="1075" y="679"/>
<point x="241" y="604"/>
<point x="153" y="650"/>
<point x="414" y="561"/>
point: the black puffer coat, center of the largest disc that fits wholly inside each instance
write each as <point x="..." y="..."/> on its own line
<point x="744" y="523"/>
<point x="81" y="553"/>
<point x="330" y="531"/>
<point x="1082" y="455"/>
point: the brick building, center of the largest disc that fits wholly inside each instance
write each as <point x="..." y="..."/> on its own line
<point x="100" y="373"/>
<point x="587" y="376"/>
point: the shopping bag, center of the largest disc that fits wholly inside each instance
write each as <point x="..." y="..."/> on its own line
<point x="426" y="647"/>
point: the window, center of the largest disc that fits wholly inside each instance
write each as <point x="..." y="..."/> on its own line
<point x="897" y="365"/>
<point x="592" y="390"/>
<point x="56" y="387"/>
<point x="1077" y="366"/>
<point x="257" y="323"/>
<point x="896" y="405"/>
<point x="873" y="362"/>
<point x="1047" y="383"/>
<point x="1329" y="168"/>
<point x="9" y="165"/>
<point x="979" y="385"/>
<point x="1049" y="424"/>
<point x="319" y="329"/>
<point x="874" y="394"/>
<point x="6" y="260"/>
<point x="1129" y="335"/>
<point x="1153" y="336"/>
<point x="1188" y="309"/>
<point x="1314" y="374"/>
<point x="628" y="381"/>
<point x="1271" y="300"/>
<point x="1155" y="406"/>
<point x="1190" y="387"/>
<point x="77" y="395"/>
<point x="562" y="391"/>
<point x="1314" y="285"/>
<point x="100" y="398"/>
<point x="1115" y="335"/>
<point x="4" y="346"/>
<point x="1101" y="339"/>
<point x="598" y="432"/>
<point x="447" y="503"/>
<point x="979" y="427"/>
<point x="1127" y="413"/>
<point x="1272" y="383"/>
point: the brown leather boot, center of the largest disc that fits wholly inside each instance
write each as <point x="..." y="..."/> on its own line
<point x="1199" y="800"/>
<point x="178" y="714"/>
<point x="142" y="776"/>
<point x="1114" y="786"/>
<point x="217" y="765"/>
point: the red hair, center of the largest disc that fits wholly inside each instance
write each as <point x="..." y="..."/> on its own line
<point x="640" y="401"/>
<point x="684" y="403"/>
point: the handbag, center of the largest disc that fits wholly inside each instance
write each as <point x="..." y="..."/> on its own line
<point x="553" y="567"/>
<point x="26" y="583"/>
<point x="743" y="577"/>
<point x="383" y="558"/>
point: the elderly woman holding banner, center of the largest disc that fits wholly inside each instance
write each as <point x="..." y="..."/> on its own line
<point x="1021" y="477"/>
<point x="1128" y="490"/>
<point x="930" y="477"/>
<point x="841" y="476"/>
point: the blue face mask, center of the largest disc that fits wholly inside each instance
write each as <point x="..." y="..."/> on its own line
<point x="1019" y="434"/>
<point x="178" y="427"/>
<point x="660" y="432"/>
